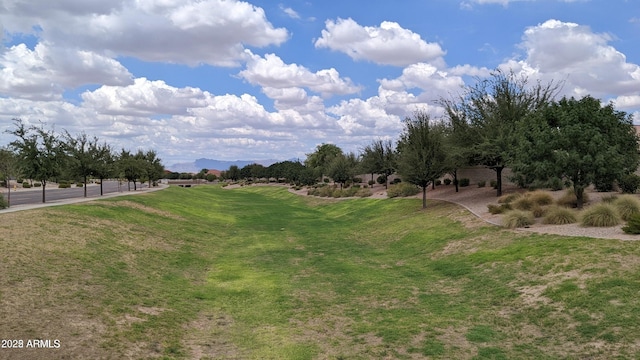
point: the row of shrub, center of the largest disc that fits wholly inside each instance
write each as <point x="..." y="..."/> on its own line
<point x="402" y="190"/>
<point x="521" y="211"/>
<point x="336" y="192"/>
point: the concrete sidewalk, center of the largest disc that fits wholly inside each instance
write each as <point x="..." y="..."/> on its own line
<point x="79" y="200"/>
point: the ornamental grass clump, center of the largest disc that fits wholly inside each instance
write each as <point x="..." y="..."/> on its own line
<point x="557" y="215"/>
<point x="540" y="197"/>
<point x="627" y="205"/>
<point x="508" y="198"/>
<point x="523" y="203"/>
<point x="600" y="215"/>
<point x="517" y="219"/>
<point x="538" y="211"/>
<point x="498" y="209"/>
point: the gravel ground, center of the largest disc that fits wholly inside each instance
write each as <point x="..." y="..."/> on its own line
<point x="476" y="200"/>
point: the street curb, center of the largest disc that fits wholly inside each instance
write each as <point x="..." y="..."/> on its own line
<point x="78" y="200"/>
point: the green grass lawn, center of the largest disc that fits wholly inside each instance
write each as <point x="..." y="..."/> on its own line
<point x="259" y="273"/>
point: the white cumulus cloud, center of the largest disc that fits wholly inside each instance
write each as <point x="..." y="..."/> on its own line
<point x="188" y="32"/>
<point x="46" y="71"/>
<point x="270" y="71"/>
<point x="388" y="44"/>
<point x="583" y="59"/>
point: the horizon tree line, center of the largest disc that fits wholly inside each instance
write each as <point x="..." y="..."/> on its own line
<point x="499" y="122"/>
<point x="40" y="154"/>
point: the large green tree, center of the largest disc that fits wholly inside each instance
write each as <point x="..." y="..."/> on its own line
<point x="379" y="157"/>
<point x="421" y="153"/>
<point x="151" y="164"/>
<point x="458" y="138"/>
<point x="320" y="159"/>
<point x="493" y="107"/>
<point x="40" y="152"/>
<point x="81" y="159"/>
<point x="8" y="168"/>
<point x="578" y="140"/>
<point x="342" y="168"/>
<point x="104" y="162"/>
<point x="131" y="167"/>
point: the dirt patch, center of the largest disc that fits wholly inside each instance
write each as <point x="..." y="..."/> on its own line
<point x="208" y="337"/>
<point x="141" y="207"/>
<point x="455" y="338"/>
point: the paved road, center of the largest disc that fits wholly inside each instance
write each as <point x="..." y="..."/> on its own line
<point x="34" y="196"/>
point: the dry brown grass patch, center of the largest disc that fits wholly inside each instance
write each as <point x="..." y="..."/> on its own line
<point x="141" y="207"/>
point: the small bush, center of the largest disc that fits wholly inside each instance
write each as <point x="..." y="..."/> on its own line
<point x="569" y="199"/>
<point x="364" y="192"/>
<point x="517" y="219"/>
<point x="633" y="225"/>
<point x="626" y="206"/>
<point x="402" y="190"/>
<point x="509" y="198"/>
<point x="559" y="216"/>
<point x="37" y="184"/>
<point x="481" y="183"/>
<point x="495" y="209"/>
<point x="381" y="179"/>
<point x="3" y="202"/>
<point x="629" y="183"/>
<point x="538" y="211"/>
<point x="498" y="209"/>
<point x="371" y="182"/>
<point x="523" y="203"/>
<point x="19" y="180"/>
<point x="396" y="181"/>
<point x="447" y="181"/>
<point x="26" y="185"/>
<point x="79" y="184"/>
<point x="464" y="182"/>
<point x="600" y="215"/>
<point x="609" y="199"/>
<point x="64" y="185"/>
<point x="540" y="197"/>
<point x="357" y="180"/>
<point x="438" y="182"/>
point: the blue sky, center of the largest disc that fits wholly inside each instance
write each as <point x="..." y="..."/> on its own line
<point x="265" y="79"/>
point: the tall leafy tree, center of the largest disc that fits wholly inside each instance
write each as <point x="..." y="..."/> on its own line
<point x="493" y="107"/>
<point x="8" y="168"/>
<point x="233" y="173"/>
<point x="320" y="159"/>
<point x="131" y="167"/>
<point x="151" y="166"/>
<point x="458" y="137"/>
<point x="40" y="152"/>
<point x="578" y="140"/>
<point x="342" y="168"/>
<point x="104" y="162"/>
<point x="379" y="157"/>
<point x="81" y="158"/>
<point x="421" y="153"/>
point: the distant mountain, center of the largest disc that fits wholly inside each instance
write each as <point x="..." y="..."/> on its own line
<point x="204" y="163"/>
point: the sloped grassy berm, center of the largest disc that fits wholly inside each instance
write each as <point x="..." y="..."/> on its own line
<point x="259" y="273"/>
